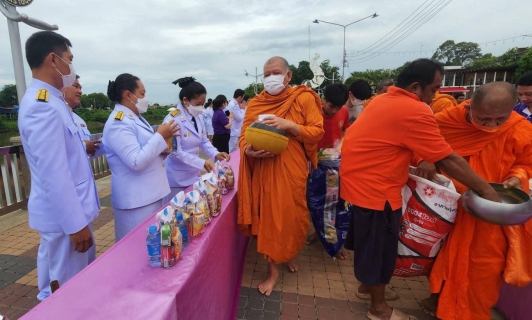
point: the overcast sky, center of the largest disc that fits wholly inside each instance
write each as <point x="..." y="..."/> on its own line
<point x="214" y="41"/>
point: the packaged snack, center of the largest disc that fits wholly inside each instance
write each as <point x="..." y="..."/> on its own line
<point x="177" y="241"/>
<point x="222" y="183"/>
<point x="213" y="195"/>
<point x="202" y="202"/>
<point x="198" y="216"/>
<point x="167" y="257"/>
<point x="225" y="167"/>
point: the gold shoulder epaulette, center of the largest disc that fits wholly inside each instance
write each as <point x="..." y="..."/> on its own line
<point x="42" y="95"/>
<point x="175" y="112"/>
<point x="119" y="115"/>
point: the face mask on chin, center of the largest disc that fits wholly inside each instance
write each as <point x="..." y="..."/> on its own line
<point x="274" y="84"/>
<point x="142" y="104"/>
<point x="357" y="102"/>
<point x="482" y="128"/>
<point x="68" y="79"/>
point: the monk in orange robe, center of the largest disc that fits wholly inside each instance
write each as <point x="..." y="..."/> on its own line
<point x="272" y="189"/>
<point x="381" y="88"/>
<point x="442" y="101"/>
<point x="478" y="255"/>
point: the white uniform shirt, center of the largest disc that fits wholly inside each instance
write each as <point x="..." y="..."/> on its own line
<point x="238" y="117"/>
<point x="63" y="194"/>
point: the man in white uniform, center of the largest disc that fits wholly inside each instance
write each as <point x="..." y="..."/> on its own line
<point x="238" y="109"/>
<point x="73" y="99"/>
<point x="63" y="200"/>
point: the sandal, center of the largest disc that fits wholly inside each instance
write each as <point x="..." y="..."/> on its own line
<point x="311" y="238"/>
<point x="396" y="315"/>
<point x="389" y="294"/>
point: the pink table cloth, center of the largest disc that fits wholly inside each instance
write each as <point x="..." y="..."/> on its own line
<point x="204" y="284"/>
<point x="516" y="303"/>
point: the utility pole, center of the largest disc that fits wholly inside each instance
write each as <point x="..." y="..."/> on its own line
<point x="256" y="75"/>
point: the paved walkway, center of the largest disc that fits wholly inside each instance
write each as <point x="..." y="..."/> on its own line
<point x="323" y="288"/>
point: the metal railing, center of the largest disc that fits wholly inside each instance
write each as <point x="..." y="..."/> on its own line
<point x="15" y="178"/>
<point x="13" y="193"/>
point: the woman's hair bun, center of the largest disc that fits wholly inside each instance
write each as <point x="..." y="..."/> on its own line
<point x="111" y="90"/>
<point x="183" y="82"/>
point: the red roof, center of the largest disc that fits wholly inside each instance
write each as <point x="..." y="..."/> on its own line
<point x="453" y="89"/>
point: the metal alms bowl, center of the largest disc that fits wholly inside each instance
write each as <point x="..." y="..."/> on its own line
<point x="515" y="209"/>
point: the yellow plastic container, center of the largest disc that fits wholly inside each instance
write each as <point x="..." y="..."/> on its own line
<point x="267" y="138"/>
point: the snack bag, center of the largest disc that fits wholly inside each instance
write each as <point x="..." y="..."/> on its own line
<point x="222" y="183"/>
<point x="429" y="211"/>
<point x="196" y="213"/>
<point x="225" y="167"/>
<point x="213" y="195"/>
<point x="177" y="241"/>
<point x="202" y="202"/>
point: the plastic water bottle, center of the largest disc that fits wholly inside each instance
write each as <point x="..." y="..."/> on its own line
<point x="154" y="247"/>
<point x="183" y="228"/>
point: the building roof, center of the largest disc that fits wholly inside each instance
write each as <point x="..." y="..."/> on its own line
<point x="487" y="69"/>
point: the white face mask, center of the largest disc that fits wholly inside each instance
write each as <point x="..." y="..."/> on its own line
<point x="357" y="102"/>
<point x="68" y="79"/>
<point x="142" y="104"/>
<point x="195" y="110"/>
<point x="274" y="84"/>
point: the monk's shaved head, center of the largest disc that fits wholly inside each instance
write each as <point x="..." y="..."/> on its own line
<point x="493" y="103"/>
<point x="278" y="59"/>
<point x="495" y="95"/>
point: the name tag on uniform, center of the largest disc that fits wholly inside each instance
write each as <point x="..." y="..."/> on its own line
<point x="73" y="128"/>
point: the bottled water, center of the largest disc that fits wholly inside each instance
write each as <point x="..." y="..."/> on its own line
<point x="154" y="247"/>
<point x="183" y="228"/>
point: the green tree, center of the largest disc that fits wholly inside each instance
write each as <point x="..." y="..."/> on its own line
<point x="331" y="72"/>
<point x="460" y="54"/>
<point x="509" y="58"/>
<point x="250" y="89"/>
<point x="371" y="76"/>
<point x="8" y="96"/>
<point x="301" y="73"/>
<point x="525" y="64"/>
<point x="487" y="60"/>
<point x="97" y="99"/>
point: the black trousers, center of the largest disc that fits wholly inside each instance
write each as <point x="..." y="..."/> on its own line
<point x="221" y="141"/>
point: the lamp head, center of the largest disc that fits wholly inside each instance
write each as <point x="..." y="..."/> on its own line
<point x="315" y="21"/>
<point x="375" y="15"/>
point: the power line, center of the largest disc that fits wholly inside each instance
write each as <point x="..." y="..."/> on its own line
<point x="411" y="30"/>
<point x="384" y="37"/>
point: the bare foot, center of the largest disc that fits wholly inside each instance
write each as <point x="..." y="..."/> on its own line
<point x="267" y="286"/>
<point x="342" y="254"/>
<point x="430" y="305"/>
<point x="292" y="265"/>
<point x="382" y="311"/>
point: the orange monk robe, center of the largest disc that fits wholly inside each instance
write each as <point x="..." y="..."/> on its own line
<point x="442" y="101"/>
<point x="478" y="255"/>
<point x="368" y="101"/>
<point x="272" y="191"/>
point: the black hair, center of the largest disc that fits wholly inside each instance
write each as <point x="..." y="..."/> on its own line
<point x="218" y="102"/>
<point x="458" y="95"/>
<point x="124" y="82"/>
<point x="422" y="71"/>
<point x="238" y="93"/>
<point x="190" y="88"/>
<point x="361" y="89"/>
<point x="525" y="80"/>
<point x="337" y="94"/>
<point x="246" y="97"/>
<point x="384" y="83"/>
<point x="40" y="44"/>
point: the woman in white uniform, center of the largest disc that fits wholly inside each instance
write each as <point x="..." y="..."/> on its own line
<point x="184" y="164"/>
<point x="135" y="155"/>
<point x="207" y="116"/>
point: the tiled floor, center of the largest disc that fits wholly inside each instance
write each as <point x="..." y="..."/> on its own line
<point x="323" y="288"/>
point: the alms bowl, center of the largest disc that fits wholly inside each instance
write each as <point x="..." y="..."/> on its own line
<point x="515" y="209"/>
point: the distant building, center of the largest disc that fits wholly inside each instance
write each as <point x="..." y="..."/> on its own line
<point x="460" y="79"/>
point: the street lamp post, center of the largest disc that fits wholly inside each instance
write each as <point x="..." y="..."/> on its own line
<point x="256" y="75"/>
<point x="344" y="60"/>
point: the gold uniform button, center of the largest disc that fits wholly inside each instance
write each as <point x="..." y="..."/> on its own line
<point x="163" y="165"/>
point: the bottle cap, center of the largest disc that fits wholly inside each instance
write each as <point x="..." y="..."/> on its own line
<point x="179" y="216"/>
<point x="152" y="229"/>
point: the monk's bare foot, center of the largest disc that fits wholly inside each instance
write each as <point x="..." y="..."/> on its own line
<point x="292" y="265"/>
<point x="430" y="305"/>
<point x="267" y="286"/>
<point x="342" y="254"/>
<point x="381" y="311"/>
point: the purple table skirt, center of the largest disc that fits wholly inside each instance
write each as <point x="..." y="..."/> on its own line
<point x="516" y="303"/>
<point x="204" y="284"/>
